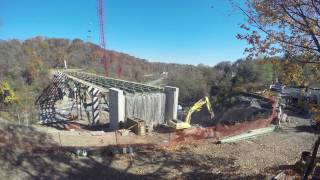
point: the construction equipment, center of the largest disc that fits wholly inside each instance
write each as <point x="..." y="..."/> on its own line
<point x="106" y="60"/>
<point x="177" y="124"/>
<point x="105" y="57"/>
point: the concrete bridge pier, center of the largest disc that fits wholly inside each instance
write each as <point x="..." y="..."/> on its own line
<point x="172" y="96"/>
<point x="117" y="107"/>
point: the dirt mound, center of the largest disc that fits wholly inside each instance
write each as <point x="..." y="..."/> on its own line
<point x="243" y="108"/>
<point x="242" y="112"/>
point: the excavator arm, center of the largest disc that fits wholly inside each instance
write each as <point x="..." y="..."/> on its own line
<point x="195" y="108"/>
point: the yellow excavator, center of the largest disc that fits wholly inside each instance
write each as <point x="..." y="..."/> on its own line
<point x="177" y="124"/>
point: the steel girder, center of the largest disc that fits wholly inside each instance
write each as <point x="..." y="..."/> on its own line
<point x="105" y="82"/>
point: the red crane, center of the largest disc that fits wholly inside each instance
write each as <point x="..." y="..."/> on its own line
<point x="106" y="61"/>
<point x="105" y="57"/>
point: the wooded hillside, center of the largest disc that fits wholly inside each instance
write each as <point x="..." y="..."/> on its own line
<point x="25" y="71"/>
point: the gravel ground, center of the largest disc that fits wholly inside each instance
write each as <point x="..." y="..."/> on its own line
<point x="259" y="158"/>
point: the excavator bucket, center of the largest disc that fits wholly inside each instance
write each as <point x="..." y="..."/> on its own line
<point x="177" y="124"/>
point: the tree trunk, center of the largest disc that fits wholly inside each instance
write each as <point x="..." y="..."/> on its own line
<point x="312" y="161"/>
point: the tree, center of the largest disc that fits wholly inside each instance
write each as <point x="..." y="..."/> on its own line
<point x="282" y="26"/>
<point x="192" y="84"/>
<point x="61" y="57"/>
<point x="32" y="70"/>
<point x="7" y="95"/>
<point x="292" y="74"/>
<point x="285" y="27"/>
<point x="288" y="27"/>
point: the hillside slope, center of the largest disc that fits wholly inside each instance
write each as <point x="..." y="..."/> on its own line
<point x="19" y="57"/>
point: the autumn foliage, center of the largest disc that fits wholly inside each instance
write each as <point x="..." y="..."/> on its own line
<point x="7" y="95"/>
<point x="290" y="27"/>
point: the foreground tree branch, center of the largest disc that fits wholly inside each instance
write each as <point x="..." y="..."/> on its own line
<point x="312" y="161"/>
<point x="282" y="26"/>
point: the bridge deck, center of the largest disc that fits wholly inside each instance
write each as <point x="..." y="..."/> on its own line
<point x="105" y="82"/>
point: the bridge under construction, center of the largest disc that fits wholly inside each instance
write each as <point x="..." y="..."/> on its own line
<point x="93" y="95"/>
<point x="120" y="106"/>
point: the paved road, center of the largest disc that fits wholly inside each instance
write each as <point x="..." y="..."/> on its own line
<point x="157" y="82"/>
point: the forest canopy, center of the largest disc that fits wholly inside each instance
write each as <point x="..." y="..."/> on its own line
<point x="25" y="67"/>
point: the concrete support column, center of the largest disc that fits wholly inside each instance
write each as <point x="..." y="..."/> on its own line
<point x="116" y="107"/>
<point x="172" y="95"/>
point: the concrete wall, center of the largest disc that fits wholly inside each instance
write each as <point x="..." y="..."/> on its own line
<point x="117" y="107"/>
<point x="172" y="95"/>
<point x="149" y="107"/>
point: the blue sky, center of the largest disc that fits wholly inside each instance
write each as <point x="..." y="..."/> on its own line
<point x="180" y="31"/>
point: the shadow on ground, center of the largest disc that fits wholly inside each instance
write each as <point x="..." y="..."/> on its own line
<point x="64" y="122"/>
<point x="308" y="128"/>
<point x="29" y="154"/>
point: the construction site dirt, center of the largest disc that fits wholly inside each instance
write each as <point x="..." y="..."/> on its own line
<point x="78" y="135"/>
<point x="184" y="154"/>
<point x="24" y="156"/>
<point x="70" y="133"/>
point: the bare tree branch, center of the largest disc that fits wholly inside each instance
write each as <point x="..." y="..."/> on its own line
<point x="316" y="41"/>
<point x="287" y="25"/>
<point x="257" y="25"/>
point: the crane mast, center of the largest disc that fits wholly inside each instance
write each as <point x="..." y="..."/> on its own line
<point x="101" y="22"/>
<point x="106" y="61"/>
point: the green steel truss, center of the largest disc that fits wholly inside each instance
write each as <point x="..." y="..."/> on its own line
<point x="105" y="82"/>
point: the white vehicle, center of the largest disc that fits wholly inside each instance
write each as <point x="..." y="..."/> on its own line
<point x="277" y="87"/>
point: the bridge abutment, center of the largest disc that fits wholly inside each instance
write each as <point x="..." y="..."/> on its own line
<point x="117" y="107"/>
<point x="172" y="97"/>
